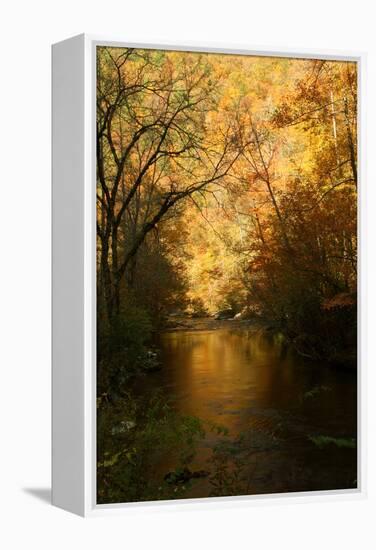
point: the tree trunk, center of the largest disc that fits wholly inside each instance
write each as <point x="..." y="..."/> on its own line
<point x="350" y="143"/>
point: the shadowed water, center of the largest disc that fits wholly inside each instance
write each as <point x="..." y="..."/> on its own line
<point x="283" y="406"/>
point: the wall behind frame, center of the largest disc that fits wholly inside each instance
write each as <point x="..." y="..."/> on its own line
<point x="29" y="29"/>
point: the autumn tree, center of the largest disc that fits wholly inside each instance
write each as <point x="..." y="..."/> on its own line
<point x="303" y="252"/>
<point x="154" y="149"/>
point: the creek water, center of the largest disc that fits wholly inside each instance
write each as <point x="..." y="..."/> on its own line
<point x="282" y="405"/>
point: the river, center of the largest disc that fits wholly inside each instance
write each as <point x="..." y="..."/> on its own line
<point x="297" y="419"/>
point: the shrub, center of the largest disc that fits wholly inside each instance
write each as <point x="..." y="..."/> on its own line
<point x="122" y="350"/>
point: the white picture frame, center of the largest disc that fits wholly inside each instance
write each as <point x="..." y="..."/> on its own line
<point x="74" y="279"/>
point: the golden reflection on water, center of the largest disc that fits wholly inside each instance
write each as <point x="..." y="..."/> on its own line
<point x="229" y="376"/>
<point x="253" y="384"/>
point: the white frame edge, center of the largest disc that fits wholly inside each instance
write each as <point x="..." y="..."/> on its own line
<point x="68" y="321"/>
<point x="74" y="310"/>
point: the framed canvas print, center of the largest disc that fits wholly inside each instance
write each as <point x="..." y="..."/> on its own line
<point x="206" y="281"/>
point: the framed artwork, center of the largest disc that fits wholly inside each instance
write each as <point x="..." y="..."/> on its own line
<point x="206" y="281"/>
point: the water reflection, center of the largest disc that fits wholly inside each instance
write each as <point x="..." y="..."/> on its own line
<point x="253" y="384"/>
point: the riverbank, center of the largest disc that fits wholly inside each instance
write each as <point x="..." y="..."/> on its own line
<point x="185" y="323"/>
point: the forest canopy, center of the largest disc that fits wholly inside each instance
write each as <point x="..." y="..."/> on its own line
<point x="227" y="182"/>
